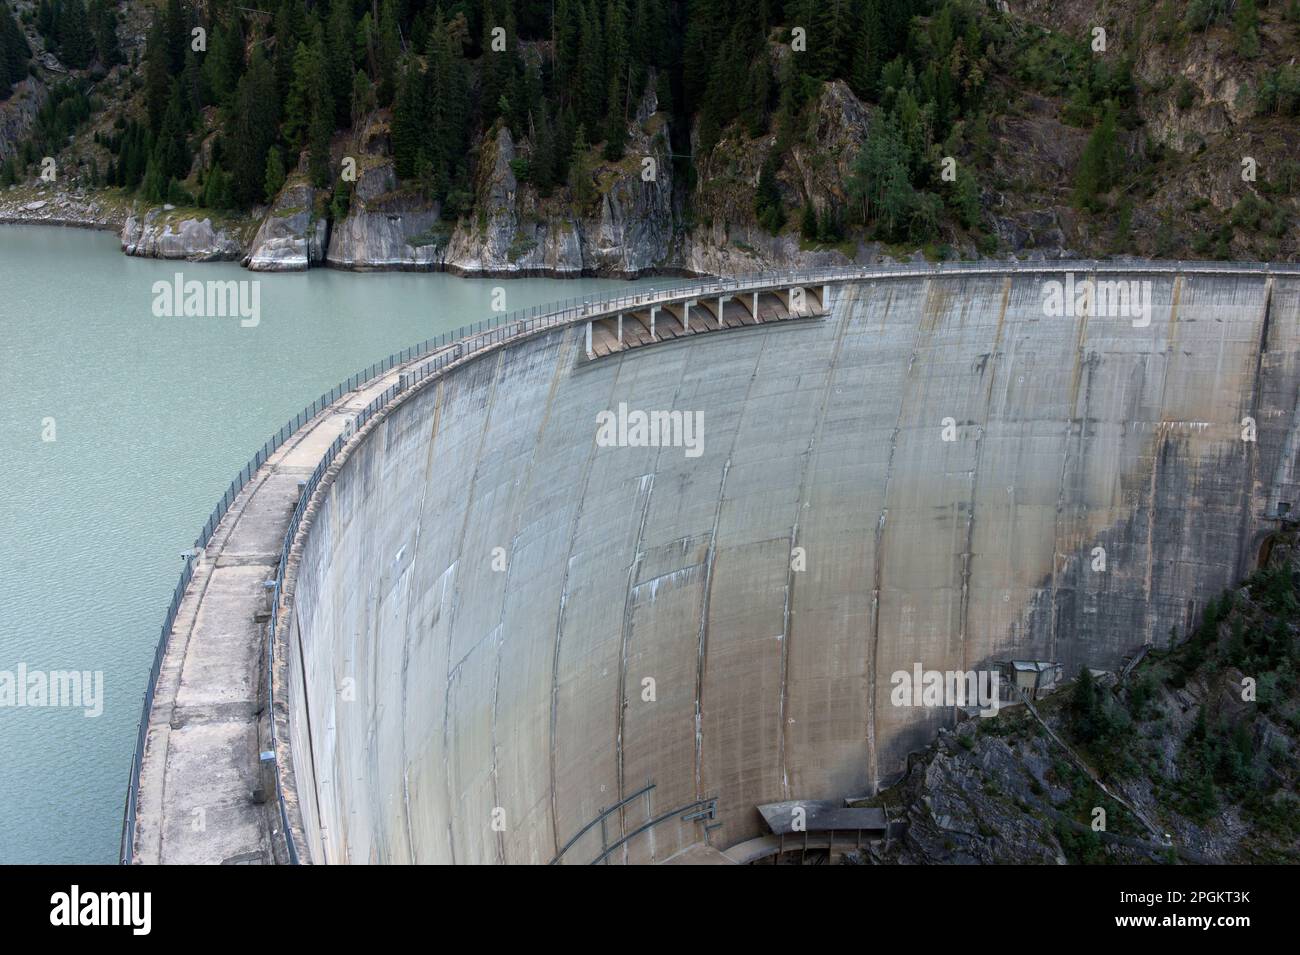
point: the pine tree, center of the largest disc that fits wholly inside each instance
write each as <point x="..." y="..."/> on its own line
<point x="171" y="153"/>
<point x="498" y="68"/>
<point x="274" y="174"/>
<point x="406" y="121"/>
<point x="542" y="160"/>
<point x="1096" y="170"/>
<point x="224" y="62"/>
<point x="251" y="129"/>
<point x="808" y="222"/>
<point x="319" y="135"/>
<point x="14" y="52"/>
<point x="581" y="170"/>
<point x="157" y="76"/>
<point x="616" y="68"/>
<point x="176" y="32"/>
<point x="339" y="60"/>
<point x="767" y="198"/>
<point x="75" y="43"/>
<point x="363" y="101"/>
<point x="103" y="26"/>
<point x="591" y="70"/>
<point x="304" y="89"/>
<point x="1246" y="28"/>
<point x="286" y="42"/>
<point x="217" y="191"/>
<point x="387" y="51"/>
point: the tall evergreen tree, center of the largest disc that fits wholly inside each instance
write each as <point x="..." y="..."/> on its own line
<point x="103" y="27"/>
<point x="157" y="75"/>
<point x="274" y="174"/>
<point x="1097" y="164"/>
<point x="172" y="154"/>
<point x="388" y="49"/>
<point x="618" y="68"/>
<point x="76" y="45"/>
<point x="339" y="61"/>
<point x="14" y="52"/>
<point x="223" y="63"/>
<point x="251" y="129"/>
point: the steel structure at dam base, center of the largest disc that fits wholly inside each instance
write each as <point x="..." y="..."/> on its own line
<point x="345" y="676"/>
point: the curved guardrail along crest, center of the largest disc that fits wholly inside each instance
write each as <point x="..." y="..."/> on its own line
<point x="452" y="347"/>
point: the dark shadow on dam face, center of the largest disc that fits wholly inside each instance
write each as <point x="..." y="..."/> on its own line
<point x="503" y="626"/>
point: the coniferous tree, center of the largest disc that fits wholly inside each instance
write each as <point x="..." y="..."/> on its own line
<point x="581" y="170"/>
<point x="103" y="27"/>
<point x="767" y="198"/>
<point x="1096" y="170"/>
<point x="171" y="154"/>
<point x="308" y="85"/>
<point x="388" y="49"/>
<point x="224" y="62"/>
<point x="14" y="52"/>
<point x="286" y="42"/>
<point x="76" y="45"/>
<point x="274" y="174"/>
<point x="157" y="75"/>
<point x="218" y="192"/>
<point x="617" y="67"/>
<point x="319" y="133"/>
<point x="339" y="63"/>
<point x="591" y="79"/>
<point x="543" y="160"/>
<point x="251" y="130"/>
<point x="407" y="119"/>
<point x="176" y="34"/>
<point x="363" y="101"/>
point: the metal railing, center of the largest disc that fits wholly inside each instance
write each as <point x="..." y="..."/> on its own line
<point x="469" y="340"/>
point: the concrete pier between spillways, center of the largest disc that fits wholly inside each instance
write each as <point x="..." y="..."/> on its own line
<point x="500" y="627"/>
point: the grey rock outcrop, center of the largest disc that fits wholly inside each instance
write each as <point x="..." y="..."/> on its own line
<point x="18" y="112"/>
<point x="158" y="235"/>
<point x="385" y="228"/>
<point x="291" y="237"/>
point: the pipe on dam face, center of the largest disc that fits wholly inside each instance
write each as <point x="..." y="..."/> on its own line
<point x="502" y="626"/>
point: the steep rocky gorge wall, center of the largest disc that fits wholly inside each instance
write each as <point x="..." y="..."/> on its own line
<point x="484" y="589"/>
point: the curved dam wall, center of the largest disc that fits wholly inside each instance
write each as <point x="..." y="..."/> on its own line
<point x="486" y="587"/>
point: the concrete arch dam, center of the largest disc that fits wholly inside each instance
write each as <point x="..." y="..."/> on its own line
<point x="485" y="589"/>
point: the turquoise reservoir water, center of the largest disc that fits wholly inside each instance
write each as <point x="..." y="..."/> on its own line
<point x="150" y="419"/>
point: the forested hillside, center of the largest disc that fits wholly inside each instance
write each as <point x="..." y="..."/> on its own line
<point x="785" y="129"/>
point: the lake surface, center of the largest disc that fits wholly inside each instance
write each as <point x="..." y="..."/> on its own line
<point x="151" y="418"/>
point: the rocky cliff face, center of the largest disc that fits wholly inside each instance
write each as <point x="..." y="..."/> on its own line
<point x="628" y="230"/>
<point x="17" y="113"/>
<point x="387" y="227"/>
<point x="292" y="237"/>
<point x="728" y="239"/>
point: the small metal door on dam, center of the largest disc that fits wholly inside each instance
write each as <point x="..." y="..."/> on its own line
<point x="502" y="626"/>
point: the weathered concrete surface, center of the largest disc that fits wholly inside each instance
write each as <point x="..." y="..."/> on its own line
<point x="207" y="725"/>
<point x="437" y="684"/>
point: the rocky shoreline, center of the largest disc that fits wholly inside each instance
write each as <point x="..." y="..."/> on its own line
<point x="631" y="224"/>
